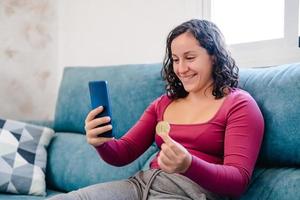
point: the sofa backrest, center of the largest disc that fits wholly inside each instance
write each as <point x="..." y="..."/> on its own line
<point x="133" y="87"/>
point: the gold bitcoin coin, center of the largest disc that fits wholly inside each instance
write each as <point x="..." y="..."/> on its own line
<point x="163" y="127"/>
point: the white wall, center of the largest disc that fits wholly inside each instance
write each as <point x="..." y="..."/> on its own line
<point x="28" y="58"/>
<point x="108" y="32"/>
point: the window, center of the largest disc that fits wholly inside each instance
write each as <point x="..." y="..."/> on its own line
<point x="259" y="33"/>
<point x="245" y="21"/>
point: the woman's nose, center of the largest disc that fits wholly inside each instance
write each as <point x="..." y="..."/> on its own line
<point x="182" y="67"/>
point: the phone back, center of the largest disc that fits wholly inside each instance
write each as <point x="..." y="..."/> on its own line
<point x="99" y="93"/>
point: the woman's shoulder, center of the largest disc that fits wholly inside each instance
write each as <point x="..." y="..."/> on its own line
<point x="240" y="98"/>
<point x="159" y="104"/>
<point x="243" y="106"/>
<point x="238" y="94"/>
<point x="161" y="100"/>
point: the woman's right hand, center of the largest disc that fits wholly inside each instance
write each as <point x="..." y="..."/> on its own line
<point x="93" y="132"/>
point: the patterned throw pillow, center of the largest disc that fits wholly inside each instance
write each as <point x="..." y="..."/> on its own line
<point x="23" y="157"/>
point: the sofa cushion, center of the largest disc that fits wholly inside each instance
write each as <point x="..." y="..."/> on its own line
<point x="131" y="87"/>
<point x="73" y="164"/>
<point x="23" y="157"/>
<point x="277" y="92"/>
<point x="50" y="193"/>
<point x="274" y="183"/>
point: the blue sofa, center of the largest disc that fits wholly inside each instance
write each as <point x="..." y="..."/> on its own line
<point x="73" y="164"/>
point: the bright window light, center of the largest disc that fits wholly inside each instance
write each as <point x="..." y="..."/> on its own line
<point x="249" y="20"/>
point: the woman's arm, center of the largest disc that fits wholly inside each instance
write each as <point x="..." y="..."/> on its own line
<point x="135" y="142"/>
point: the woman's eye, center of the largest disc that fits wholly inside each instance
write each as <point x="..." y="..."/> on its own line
<point x="175" y="60"/>
<point x="190" y="58"/>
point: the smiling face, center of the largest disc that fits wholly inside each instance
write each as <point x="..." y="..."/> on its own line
<point x="191" y="63"/>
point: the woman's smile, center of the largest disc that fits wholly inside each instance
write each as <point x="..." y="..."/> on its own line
<point x="187" y="78"/>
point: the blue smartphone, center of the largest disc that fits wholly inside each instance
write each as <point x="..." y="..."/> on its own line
<point x="100" y="97"/>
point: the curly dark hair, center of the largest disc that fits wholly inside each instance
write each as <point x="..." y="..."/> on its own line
<point x="224" y="72"/>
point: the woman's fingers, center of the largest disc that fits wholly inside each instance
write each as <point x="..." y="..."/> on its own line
<point x="93" y="114"/>
<point x="168" y="152"/>
<point x="94" y="129"/>
<point x="165" y="165"/>
<point x="165" y="159"/>
<point x="96" y="122"/>
<point x="96" y="132"/>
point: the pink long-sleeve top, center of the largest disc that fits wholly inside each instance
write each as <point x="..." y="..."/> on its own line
<point x="224" y="149"/>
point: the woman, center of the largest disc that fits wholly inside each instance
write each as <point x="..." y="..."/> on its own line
<point x="209" y="132"/>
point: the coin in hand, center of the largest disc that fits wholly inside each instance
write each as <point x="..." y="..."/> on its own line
<point x="162" y="127"/>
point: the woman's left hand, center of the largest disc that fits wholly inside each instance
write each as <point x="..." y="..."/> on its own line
<point x="173" y="157"/>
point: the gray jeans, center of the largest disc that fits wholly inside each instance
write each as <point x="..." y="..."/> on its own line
<point x="151" y="184"/>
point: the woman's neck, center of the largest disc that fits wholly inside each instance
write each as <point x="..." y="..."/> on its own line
<point x="204" y="94"/>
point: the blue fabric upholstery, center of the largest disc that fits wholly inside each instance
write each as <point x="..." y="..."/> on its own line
<point x="274" y="183"/>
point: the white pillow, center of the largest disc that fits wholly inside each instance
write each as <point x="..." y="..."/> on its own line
<point x="23" y="157"/>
